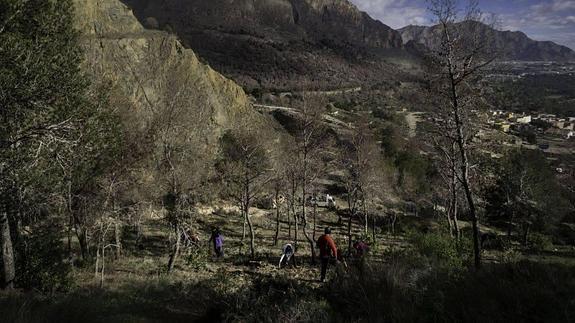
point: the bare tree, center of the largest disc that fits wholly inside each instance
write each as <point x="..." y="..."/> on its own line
<point x="183" y="163"/>
<point x="448" y="165"/>
<point x="311" y="137"/>
<point x="456" y="64"/>
<point x="244" y="167"/>
<point x="358" y="158"/>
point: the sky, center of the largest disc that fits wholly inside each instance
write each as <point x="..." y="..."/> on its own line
<point x="540" y="19"/>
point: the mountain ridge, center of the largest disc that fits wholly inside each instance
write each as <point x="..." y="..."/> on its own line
<point x="279" y="44"/>
<point x="512" y="45"/>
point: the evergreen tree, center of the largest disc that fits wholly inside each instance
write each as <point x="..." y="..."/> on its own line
<point x="48" y="112"/>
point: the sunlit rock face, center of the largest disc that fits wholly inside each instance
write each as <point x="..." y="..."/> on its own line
<point x="154" y="71"/>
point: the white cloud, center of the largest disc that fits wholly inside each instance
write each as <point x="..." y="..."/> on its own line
<point x="547" y="20"/>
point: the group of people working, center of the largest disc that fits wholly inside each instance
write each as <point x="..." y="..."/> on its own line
<point x="325" y="243"/>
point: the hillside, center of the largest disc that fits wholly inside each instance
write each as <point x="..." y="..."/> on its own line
<point x="152" y="69"/>
<point x="278" y="44"/>
<point x="510" y="45"/>
<point x="167" y="98"/>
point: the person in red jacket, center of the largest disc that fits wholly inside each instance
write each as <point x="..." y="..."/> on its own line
<point x="327" y="249"/>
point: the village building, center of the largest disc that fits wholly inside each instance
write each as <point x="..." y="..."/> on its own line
<point x="503" y="126"/>
<point x="524" y="120"/>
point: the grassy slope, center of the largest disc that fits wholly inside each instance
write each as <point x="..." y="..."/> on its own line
<point x="135" y="289"/>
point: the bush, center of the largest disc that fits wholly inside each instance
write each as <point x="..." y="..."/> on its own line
<point x="441" y="250"/>
<point x="41" y="261"/>
<point x="374" y="293"/>
<point x="540" y="242"/>
<point x="275" y="299"/>
<point x="520" y="292"/>
<point x="345" y="105"/>
<point x="197" y="258"/>
<point x="492" y="241"/>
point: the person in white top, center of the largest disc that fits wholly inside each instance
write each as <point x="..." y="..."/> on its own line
<point x="287" y="255"/>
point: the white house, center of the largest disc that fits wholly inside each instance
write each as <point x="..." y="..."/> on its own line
<point x="524" y="120"/>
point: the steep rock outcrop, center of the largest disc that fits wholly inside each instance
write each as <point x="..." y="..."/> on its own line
<point x="156" y="73"/>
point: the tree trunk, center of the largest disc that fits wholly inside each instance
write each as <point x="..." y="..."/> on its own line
<point x="393" y="220"/>
<point x="309" y="240"/>
<point x="244" y="215"/>
<point x="373" y="229"/>
<point x="304" y="216"/>
<point x="97" y="267"/>
<point x="102" y="273"/>
<point x="288" y="215"/>
<point x="83" y="241"/>
<point x="465" y="170"/>
<point x="9" y="266"/>
<point x="252" y="236"/>
<point x="454" y="196"/>
<point x="510" y="225"/>
<point x="69" y="235"/>
<point x="118" y="239"/>
<point x="305" y="233"/>
<point x="473" y="212"/>
<point x="276" y="237"/>
<point x="365" y="214"/>
<point x="314" y="220"/>
<point x="449" y="223"/>
<point x="70" y="217"/>
<point x="526" y="231"/>
<point x="176" y="249"/>
<point x="349" y="237"/>
<point x="296" y="229"/>
<point x="82" y="235"/>
<point x="456" y="220"/>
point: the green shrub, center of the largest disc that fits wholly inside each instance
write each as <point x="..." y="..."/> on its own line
<point x="345" y="105"/>
<point x="510" y="256"/>
<point x="441" y="250"/>
<point x="374" y="293"/>
<point x="539" y="242"/>
<point x="197" y="258"/>
<point x="519" y="292"/>
<point x="41" y="261"/>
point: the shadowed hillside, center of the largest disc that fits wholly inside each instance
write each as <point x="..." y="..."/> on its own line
<point x="278" y="44"/>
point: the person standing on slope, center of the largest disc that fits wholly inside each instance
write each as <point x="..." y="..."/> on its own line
<point x="218" y="240"/>
<point x="327" y="249"/>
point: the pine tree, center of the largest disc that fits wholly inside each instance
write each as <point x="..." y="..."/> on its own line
<point x="46" y="108"/>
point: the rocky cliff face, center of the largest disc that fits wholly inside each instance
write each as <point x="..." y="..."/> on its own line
<point x="509" y="45"/>
<point x="156" y="73"/>
<point x="173" y="106"/>
<point x="277" y="43"/>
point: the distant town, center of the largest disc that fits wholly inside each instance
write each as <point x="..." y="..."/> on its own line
<point x="520" y="69"/>
<point x="541" y="123"/>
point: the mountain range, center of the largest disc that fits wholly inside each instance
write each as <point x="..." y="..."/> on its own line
<point x="280" y="44"/>
<point x="168" y="94"/>
<point x="320" y="44"/>
<point x="509" y="45"/>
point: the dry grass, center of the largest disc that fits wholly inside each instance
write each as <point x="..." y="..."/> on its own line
<point x="387" y="288"/>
